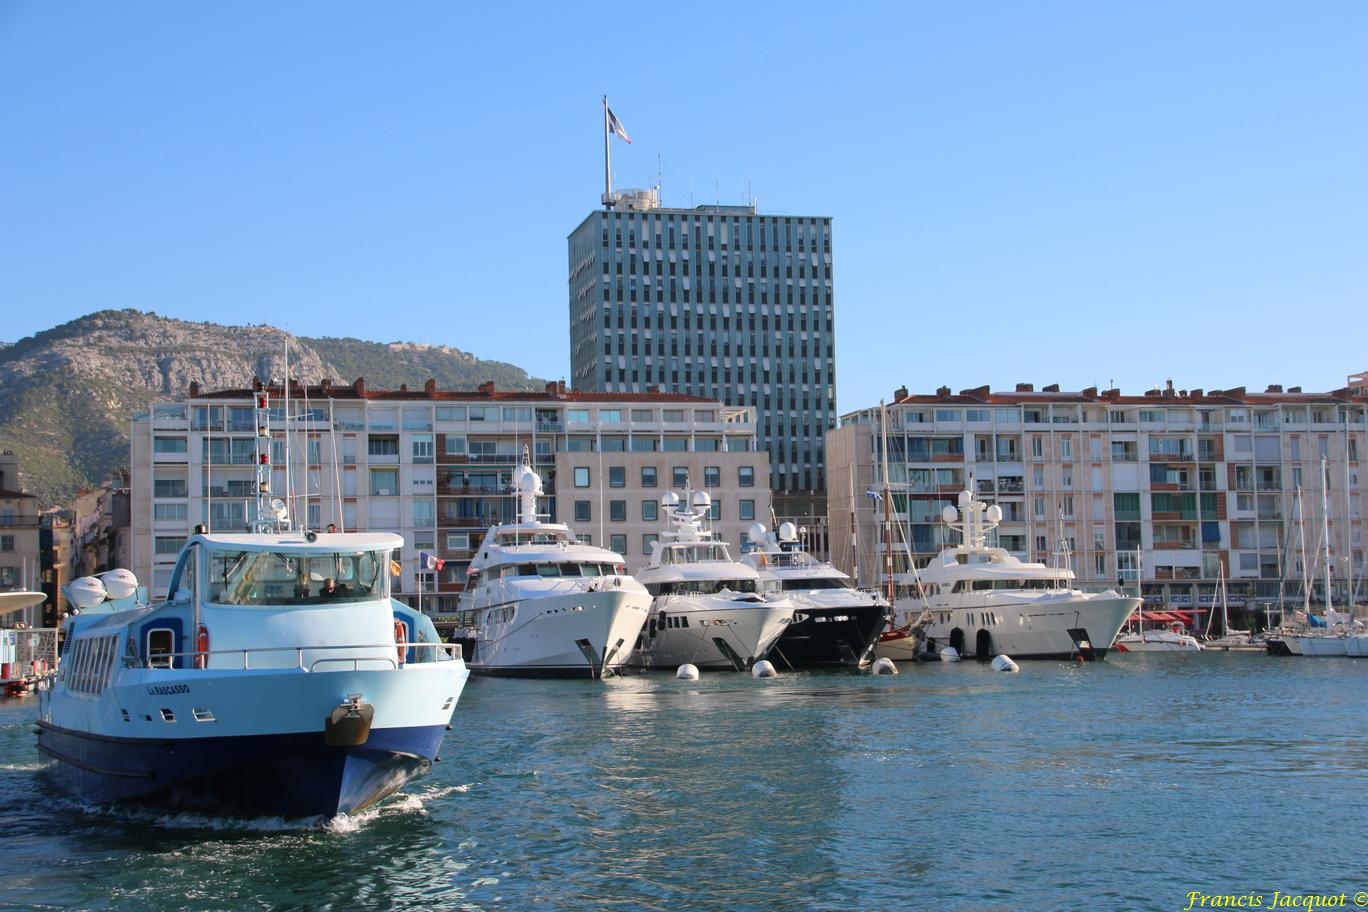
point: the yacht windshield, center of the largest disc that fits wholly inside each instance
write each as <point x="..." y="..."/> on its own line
<point x="822" y="582"/>
<point x="694" y="553"/>
<point x="275" y="578"/>
<point x="703" y="587"/>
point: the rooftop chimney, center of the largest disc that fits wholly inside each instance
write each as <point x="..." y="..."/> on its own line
<point x="194" y="388"/>
<point x="360" y="387"/>
<point x="978" y="392"/>
<point x="1052" y="388"/>
<point x="1195" y="394"/>
<point x="900" y="394"/>
<point x="551" y="388"/>
<point x="403" y="387"/>
<point x="430" y="386"/>
<point x="487" y="387"/>
<point x="1090" y="393"/>
<point x="1294" y="389"/>
<point x="943" y="391"/>
<point x="1025" y="387"/>
<point x="325" y="384"/>
<point x="1274" y="388"/>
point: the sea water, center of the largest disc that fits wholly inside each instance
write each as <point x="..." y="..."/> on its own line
<point x="1124" y="784"/>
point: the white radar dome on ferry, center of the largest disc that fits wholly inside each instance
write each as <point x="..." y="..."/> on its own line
<point x="756" y="533"/>
<point x="86" y="592"/>
<point x="949" y="514"/>
<point x="702" y="499"/>
<point x="964" y="499"/>
<point x="669" y="499"/>
<point x="994" y="513"/>
<point x="119" y="583"/>
<point x="788" y="532"/>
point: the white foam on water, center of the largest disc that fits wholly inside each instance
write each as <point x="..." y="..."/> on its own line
<point x="20" y="767"/>
<point x="485" y="882"/>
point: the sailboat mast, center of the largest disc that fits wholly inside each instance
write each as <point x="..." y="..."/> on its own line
<point x="854" y="538"/>
<point x="1325" y="530"/>
<point x="887" y="505"/>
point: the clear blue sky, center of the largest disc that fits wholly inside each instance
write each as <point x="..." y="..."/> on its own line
<point x="1053" y="192"/>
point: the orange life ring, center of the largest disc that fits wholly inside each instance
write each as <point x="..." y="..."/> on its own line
<point x="401" y="638"/>
<point x="202" y="647"/>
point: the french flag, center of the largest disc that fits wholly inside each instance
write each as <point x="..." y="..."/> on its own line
<point x="429" y="561"/>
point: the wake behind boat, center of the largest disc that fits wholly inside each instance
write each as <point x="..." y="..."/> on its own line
<point x="279" y="677"/>
<point x="546" y="604"/>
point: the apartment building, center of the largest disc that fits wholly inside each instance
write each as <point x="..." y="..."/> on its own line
<point x="1196" y="480"/>
<point x="20" y="553"/>
<point x="435" y="466"/>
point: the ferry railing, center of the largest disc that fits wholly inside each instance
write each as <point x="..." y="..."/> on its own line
<point x="440" y="652"/>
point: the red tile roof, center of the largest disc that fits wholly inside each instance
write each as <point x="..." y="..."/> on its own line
<point x="429" y="393"/>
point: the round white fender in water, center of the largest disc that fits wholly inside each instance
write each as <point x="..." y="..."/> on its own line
<point x="687" y="672"/>
<point x="1005" y="663"/>
<point x="949" y="654"/>
<point x="883" y="666"/>
<point x="764" y="669"/>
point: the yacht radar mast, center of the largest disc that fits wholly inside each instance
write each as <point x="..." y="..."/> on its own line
<point x="527" y="486"/>
<point x="973" y="520"/>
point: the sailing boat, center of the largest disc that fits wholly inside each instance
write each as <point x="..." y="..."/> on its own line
<point x="1142" y="640"/>
<point x="1229" y="639"/>
<point x="1324" y="637"/>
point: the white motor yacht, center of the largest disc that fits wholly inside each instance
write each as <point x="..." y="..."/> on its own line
<point x="545" y="604"/>
<point x="985" y="602"/>
<point x="708" y="610"/>
<point x="1157" y="640"/>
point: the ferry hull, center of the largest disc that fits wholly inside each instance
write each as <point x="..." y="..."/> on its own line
<point x="285" y="775"/>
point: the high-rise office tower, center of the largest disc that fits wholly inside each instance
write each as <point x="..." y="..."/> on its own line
<point x="716" y="301"/>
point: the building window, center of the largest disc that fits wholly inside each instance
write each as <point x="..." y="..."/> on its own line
<point x="617" y="510"/>
<point x="679" y="476"/>
<point x="169" y="487"/>
<point x="715" y="511"/>
<point x="712" y="477"/>
<point x="384" y="482"/>
<point x="581" y="477"/>
<point x="170" y="512"/>
<point x="169" y="544"/>
<point x="617" y="477"/>
<point x="423" y="513"/>
<point x="422" y="449"/>
<point x="648" y="476"/>
<point x="168" y="445"/>
<point x="746" y="476"/>
<point x="458" y="541"/>
<point x="582" y="513"/>
<point x="648" y="541"/>
<point x="650" y="511"/>
<point x="618" y="544"/>
<point x="6" y="542"/>
<point x="748" y="509"/>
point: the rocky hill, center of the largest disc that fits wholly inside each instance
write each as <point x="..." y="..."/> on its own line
<point x="67" y="394"/>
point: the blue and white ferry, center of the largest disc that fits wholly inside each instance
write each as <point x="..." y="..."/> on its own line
<point x="279" y="678"/>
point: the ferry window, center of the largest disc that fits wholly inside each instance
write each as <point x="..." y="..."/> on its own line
<point x="276" y="578"/>
<point x="161" y="643"/>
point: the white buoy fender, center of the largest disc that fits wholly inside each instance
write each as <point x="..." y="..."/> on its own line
<point x="764" y="669"/>
<point x="687" y="672"/>
<point x="949" y="654"/>
<point x="883" y="666"/>
<point x="1005" y="663"/>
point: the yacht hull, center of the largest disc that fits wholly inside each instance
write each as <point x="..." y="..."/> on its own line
<point x="1321" y="646"/>
<point x="830" y="636"/>
<point x="1157" y="641"/>
<point x="712" y="634"/>
<point x="1035" y="629"/>
<point x="576" y="635"/>
<point x="1356" y="646"/>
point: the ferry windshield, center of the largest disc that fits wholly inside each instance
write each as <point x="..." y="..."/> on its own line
<point x="273" y="578"/>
